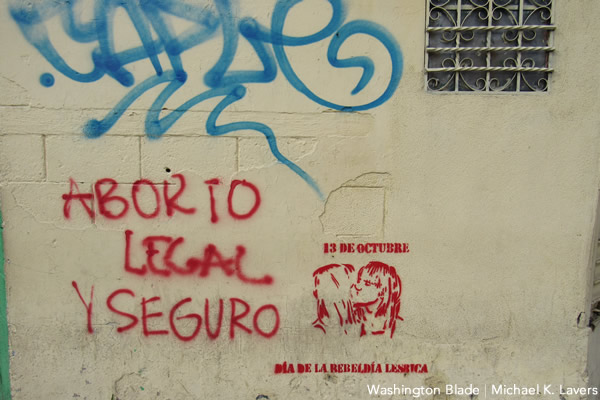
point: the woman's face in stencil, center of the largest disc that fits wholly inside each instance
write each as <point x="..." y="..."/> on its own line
<point x="367" y="289"/>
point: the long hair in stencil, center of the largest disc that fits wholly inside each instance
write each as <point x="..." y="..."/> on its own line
<point x="368" y="299"/>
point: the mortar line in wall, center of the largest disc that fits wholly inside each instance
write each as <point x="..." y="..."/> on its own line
<point x="384" y="213"/>
<point x="140" y="156"/>
<point x="45" y="156"/>
<point x="4" y="355"/>
<point x="365" y="236"/>
<point x="237" y="154"/>
<point x="195" y="135"/>
<point x="193" y="111"/>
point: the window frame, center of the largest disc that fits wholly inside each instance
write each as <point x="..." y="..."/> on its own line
<point x="457" y="27"/>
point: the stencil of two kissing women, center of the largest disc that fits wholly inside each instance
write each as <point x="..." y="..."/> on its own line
<point x="368" y="300"/>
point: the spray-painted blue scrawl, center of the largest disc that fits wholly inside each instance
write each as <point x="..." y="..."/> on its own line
<point x="151" y="15"/>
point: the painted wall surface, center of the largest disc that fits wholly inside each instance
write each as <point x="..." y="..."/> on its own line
<point x="259" y="200"/>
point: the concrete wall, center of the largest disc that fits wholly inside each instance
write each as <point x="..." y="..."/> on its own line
<point x="138" y="201"/>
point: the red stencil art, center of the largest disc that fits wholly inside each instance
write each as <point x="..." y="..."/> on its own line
<point x="367" y="301"/>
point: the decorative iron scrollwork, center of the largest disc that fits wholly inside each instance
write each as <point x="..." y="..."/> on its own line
<point x="489" y="45"/>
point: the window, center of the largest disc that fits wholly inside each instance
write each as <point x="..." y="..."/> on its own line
<point x="489" y="45"/>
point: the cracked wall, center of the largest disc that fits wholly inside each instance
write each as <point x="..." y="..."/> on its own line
<point x="173" y="248"/>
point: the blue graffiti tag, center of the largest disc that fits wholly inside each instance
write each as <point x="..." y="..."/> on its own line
<point x="149" y="16"/>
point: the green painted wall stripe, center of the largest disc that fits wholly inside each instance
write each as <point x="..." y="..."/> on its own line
<point x="4" y="356"/>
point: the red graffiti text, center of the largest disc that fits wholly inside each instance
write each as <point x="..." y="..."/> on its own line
<point x="160" y="252"/>
<point x="152" y="321"/>
<point x="149" y="199"/>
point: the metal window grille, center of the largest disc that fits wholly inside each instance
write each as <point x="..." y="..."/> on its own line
<point x="489" y="45"/>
